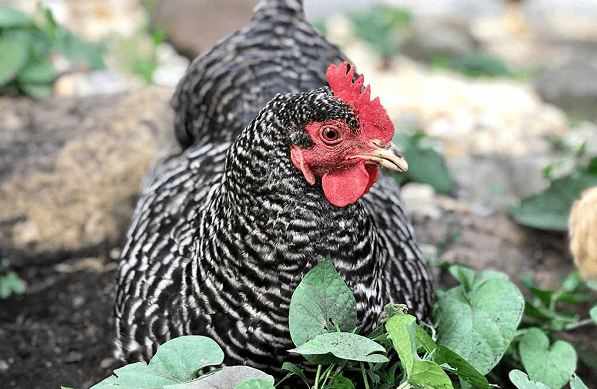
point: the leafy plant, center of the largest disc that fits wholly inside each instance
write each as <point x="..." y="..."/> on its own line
<point x="176" y="365"/>
<point x="27" y="44"/>
<point x="425" y="165"/>
<point x="473" y="64"/>
<point x="10" y="282"/>
<point x="475" y="333"/>
<point x="138" y="53"/>
<point x="380" y="26"/>
<point x="550" y="209"/>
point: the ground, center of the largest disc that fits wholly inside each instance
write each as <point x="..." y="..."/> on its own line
<point x="61" y="331"/>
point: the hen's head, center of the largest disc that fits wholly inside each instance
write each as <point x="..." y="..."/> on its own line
<point x="346" y="152"/>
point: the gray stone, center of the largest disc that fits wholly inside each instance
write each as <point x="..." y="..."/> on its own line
<point x="493" y="183"/>
<point x="194" y="26"/>
<point x="432" y="37"/>
<point x="71" y="168"/>
<point x="572" y="86"/>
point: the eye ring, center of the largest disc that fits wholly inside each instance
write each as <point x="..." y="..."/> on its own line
<point x="330" y="135"/>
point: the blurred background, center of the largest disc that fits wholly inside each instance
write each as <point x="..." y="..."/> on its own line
<point x="494" y="101"/>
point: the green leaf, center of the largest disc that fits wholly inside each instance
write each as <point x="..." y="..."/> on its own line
<point x="10" y="283"/>
<point x="10" y="17"/>
<point x="344" y="345"/>
<point x="576" y="383"/>
<point x="521" y="381"/>
<point x="41" y="92"/>
<point x="480" y="325"/>
<point x="320" y="303"/>
<point x="549" y="210"/>
<point x="37" y="73"/>
<point x="180" y="358"/>
<point x="176" y="361"/>
<point x="480" y="64"/>
<point x="228" y="377"/>
<point x="340" y="382"/>
<point x="76" y="48"/>
<point x="377" y="26"/>
<point x="464" y="274"/>
<point x="593" y="313"/>
<point x="292" y="368"/>
<point x="572" y="281"/>
<point x="553" y="366"/>
<point x="14" y="51"/>
<point x="429" y="374"/>
<point x="425" y="165"/>
<point x="400" y="330"/>
<point x="136" y="375"/>
<point x="256" y="383"/>
<point x="464" y="370"/>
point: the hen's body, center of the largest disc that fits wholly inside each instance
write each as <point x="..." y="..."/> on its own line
<point x="222" y="236"/>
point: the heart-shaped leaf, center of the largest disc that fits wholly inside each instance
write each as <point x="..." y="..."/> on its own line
<point x="480" y="325"/>
<point x="344" y="345"/>
<point x="553" y="366"/>
<point x="321" y="302"/>
<point x="521" y="381"/>
<point x="550" y="209"/>
<point x="176" y="361"/>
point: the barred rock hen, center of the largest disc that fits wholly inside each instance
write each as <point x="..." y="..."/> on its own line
<point x="225" y="230"/>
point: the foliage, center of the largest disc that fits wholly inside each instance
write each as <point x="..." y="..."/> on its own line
<point x="380" y="26"/>
<point x="27" y="44"/>
<point x="550" y="209"/>
<point x="137" y="54"/>
<point x="425" y="165"/>
<point x="10" y="282"/>
<point x="475" y="329"/>
<point x="484" y="310"/>
<point x="471" y="64"/>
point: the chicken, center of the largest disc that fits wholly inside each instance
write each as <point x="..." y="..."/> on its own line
<point x="224" y="231"/>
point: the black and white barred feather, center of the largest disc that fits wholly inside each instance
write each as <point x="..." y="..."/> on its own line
<point x="224" y="233"/>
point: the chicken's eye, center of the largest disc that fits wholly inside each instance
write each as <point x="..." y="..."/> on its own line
<point x="330" y="135"/>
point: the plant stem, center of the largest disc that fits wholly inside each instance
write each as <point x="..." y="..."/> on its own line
<point x="328" y="371"/>
<point x="404" y="385"/>
<point x="554" y="298"/>
<point x="578" y="324"/>
<point x="364" y="375"/>
<point x="317" y="376"/>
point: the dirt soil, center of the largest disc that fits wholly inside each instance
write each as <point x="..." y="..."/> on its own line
<point x="61" y="331"/>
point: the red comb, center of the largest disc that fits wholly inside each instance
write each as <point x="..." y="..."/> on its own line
<point x="370" y="113"/>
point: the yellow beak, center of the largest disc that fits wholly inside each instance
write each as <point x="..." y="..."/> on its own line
<point x="388" y="156"/>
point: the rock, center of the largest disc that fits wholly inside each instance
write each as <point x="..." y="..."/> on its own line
<point x="194" y="26"/>
<point x="431" y="37"/>
<point x="73" y="167"/>
<point x="572" y="86"/>
<point x="468" y="116"/>
<point x="106" y="81"/>
<point x="419" y="200"/>
<point x="495" y="182"/>
<point x="94" y="19"/>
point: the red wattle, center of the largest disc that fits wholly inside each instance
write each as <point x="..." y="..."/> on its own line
<point x="344" y="187"/>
